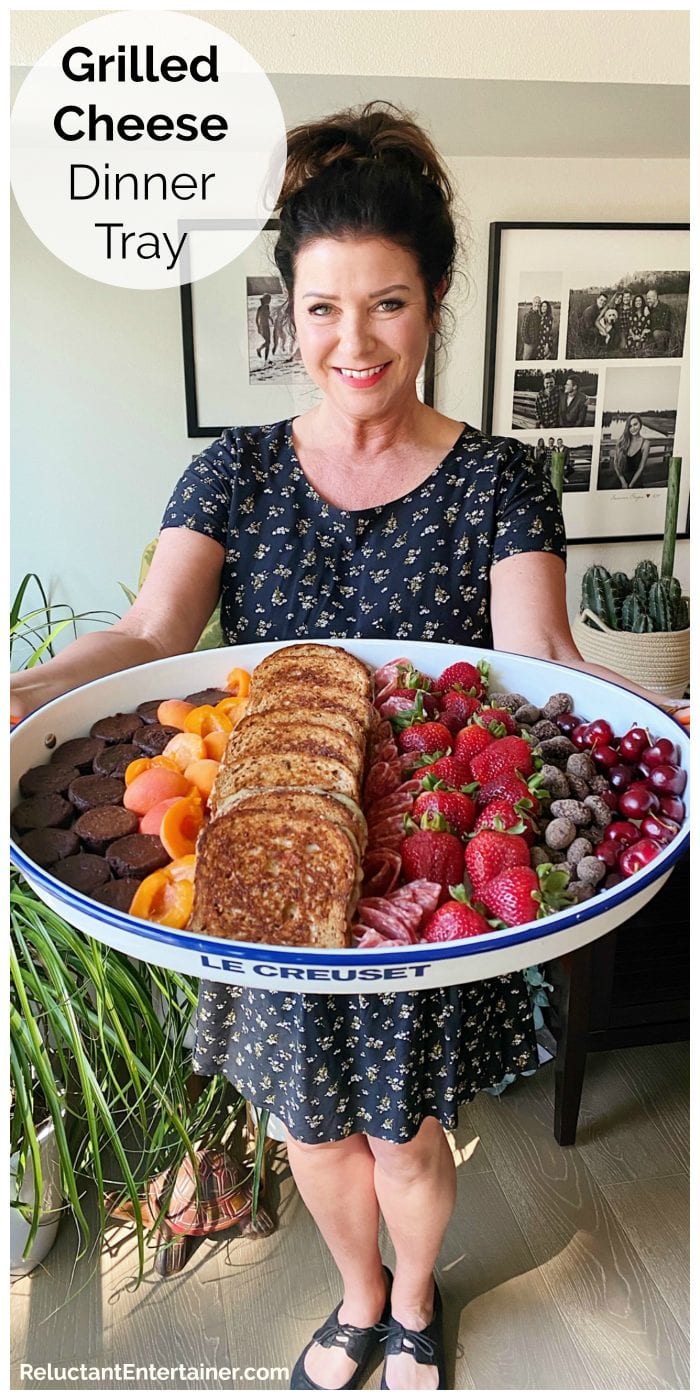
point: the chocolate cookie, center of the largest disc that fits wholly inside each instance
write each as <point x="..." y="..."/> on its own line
<point x="149" y="711"/>
<point x="114" y="760"/>
<point x="151" y="739"/>
<point x="116" y="729"/>
<point x="49" y="845"/>
<point x="82" y="872"/>
<point x="48" y="778"/>
<point x="92" y="791"/>
<point x="208" y="697"/>
<point x="118" y="894"/>
<point x="135" y="857"/>
<point x="38" y="812"/>
<point x="78" y="753"/>
<point x="100" y="826"/>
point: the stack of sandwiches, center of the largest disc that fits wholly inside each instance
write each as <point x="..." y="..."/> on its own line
<point x="281" y="859"/>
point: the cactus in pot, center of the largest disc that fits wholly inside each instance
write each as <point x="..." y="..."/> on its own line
<point x="643" y="603"/>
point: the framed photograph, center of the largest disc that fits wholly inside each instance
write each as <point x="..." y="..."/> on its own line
<point x="240" y="356"/>
<point x="587" y="347"/>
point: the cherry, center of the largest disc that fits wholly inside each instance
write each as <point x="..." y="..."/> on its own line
<point x="611" y="799"/>
<point x="643" y="769"/>
<point x="599" y="732"/>
<point x="672" y="807"/>
<point x="622" y="834"/>
<point x="662" y="751"/>
<point x="660" y="828"/>
<point x="605" y="756"/>
<point x="640" y="854"/>
<point x="568" y="723"/>
<point x="633" y="743"/>
<point x="608" y="852"/>
<point x="619" y="777"/>
<point x="668" y="779"/>
<point x="614" y="878"/>
<point x="637" y="801"/>
<point x="578" y="737"/>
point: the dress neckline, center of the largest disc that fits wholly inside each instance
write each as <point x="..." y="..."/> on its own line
<point x="339" y="511"/>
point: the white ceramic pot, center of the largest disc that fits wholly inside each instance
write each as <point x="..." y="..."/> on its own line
<point x="51" y="1205"/>
<point x="345" y="971"/>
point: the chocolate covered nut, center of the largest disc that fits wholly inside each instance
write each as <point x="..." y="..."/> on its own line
<point x="601" y="814"/>
<point x="560" y="833"/>
<point x="38" y="812"/>
<point x="114" y="761"/>
<point x="599" y="784"/>
<point x="149" y="711"/>
<point x="592" y="870"/>
<point x="582" y="765"/>
<point x="579" y="786"/>
<point x="555" y="750"/>
<point x="78" y="753"/>
<point x="554" y="781"/>
<point x="545" y="729"/>
<point x="559" y="704"/>
<point x="151" y="739"/>
<point x="575" y="811"/>
<point x="213" y="696"/>
<point x="578" y="849"/>
<point x="595" y="833"/>
<point x="581" y="891"/>
<point x="98" y="827"/>
<point x="135" y="857"/>
<point x="48" y="778"/>
<point x="527" y="715"/>
<point x="82" y="872"/>
<point x="117" y="894"/>
<point x="116" y="729"/>
<point x="538" y="856"/>
<point x="95" y="792"/>
<point x="49" y="845"/>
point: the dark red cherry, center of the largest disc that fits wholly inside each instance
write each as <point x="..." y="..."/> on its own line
<point x="578" y="737"/>
<point x="662" y="751"/>
<point x="672" y="807"/>
<point x="633" y="743"/>
<point x="668" y="780"/>
<point x="608" y="852"/>
<point x="568" y="723"/>
<point x="640" y="854"/>
<point x="659" y="828"/>
<point x="599" y="732"/>
<point x="637" y="801"/>
<point x="622" y="834"/>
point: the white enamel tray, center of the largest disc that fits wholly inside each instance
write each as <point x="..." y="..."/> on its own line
<point x="347" y="971"/>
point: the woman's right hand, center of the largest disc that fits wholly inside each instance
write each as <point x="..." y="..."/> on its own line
<point x="28" y="691"/>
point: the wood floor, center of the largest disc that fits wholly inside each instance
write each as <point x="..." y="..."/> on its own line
<point x="562" y="1268"/>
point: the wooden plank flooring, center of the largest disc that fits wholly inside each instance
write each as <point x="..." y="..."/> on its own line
<point x="562" y="1268"/>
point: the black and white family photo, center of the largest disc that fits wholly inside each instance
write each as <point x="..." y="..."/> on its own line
<point x="639" y="317"/>
<point x="539" y="316"/>
<point x="273" y="354"/>
<point x="639" y="424"/>
<point x="554" y="398"/>
<point x="577" y="459"/>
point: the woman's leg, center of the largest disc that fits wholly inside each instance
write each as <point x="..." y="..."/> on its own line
<point x="336" y="1183"/>
<point x="415" y="1183"/>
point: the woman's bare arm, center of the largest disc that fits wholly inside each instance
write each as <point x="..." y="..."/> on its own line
<point x="173" y="607"/>
<point x="529" y="617"/>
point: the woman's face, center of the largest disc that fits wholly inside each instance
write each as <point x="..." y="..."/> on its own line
<point x="635" y="426"/>
<point x="359" y="306"/>
<point x="638" y="303"/>
<point x="545" y="308"/>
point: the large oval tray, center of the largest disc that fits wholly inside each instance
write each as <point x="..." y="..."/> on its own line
<point x="347" y="971"/>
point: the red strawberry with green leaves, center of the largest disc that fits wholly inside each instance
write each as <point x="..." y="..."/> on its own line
<point x="433" y="855"/>
<point x="410" y="679"/>
<point x="447" y="772"/>
<point x="489" y="715"/>
<point x="514" y="788"/>
<point x="457" y="808"/>
<point x="459" y="704"/>
<point x="519" y="895"/>
<point x="504" y="815"/>
<point x="429" y="737"/>
<point x="455" y="919"/>
<point x="471" y="741"/>
<point x="462" y="675"/>
<point x="509" y="755"/>
<point x="489" y="853"/>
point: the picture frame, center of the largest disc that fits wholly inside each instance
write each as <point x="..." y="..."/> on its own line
<point x="241" y="364"/>
<point x="602" y="373"/>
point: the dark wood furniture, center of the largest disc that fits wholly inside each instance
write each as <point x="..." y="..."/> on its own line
<point x="631" y="987"/>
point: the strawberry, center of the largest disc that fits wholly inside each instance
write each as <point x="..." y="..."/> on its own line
<point x="461" y="673"/>
<point x="412" y="706"/>
<point x="489" y="715"/>
<point x="489" y="853"/>
<point x="433" y="855"/>
<point x="519" y="895"/>
<point x="411" y="679"/>
<point x="504" y="815"/>
<point x="429" y="737"/>
<point x="457" y="703"/>
<point x="456" y="807"/>
<point x="512" y="787"/>
<point x="447" y="772"/>
<point x="508" y="755"/>
<point x="455" y="919"/>
<point x="472" y="741"/>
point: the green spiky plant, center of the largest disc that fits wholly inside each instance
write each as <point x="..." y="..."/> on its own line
<point x="88" y="1051"/>
<point x="643" y="603"/>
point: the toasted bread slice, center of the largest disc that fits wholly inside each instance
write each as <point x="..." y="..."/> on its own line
<point x="273" y="879"/>
<point x="309" y="662"/>
<point x="315" y="697"/>
<point x="283" y="770"/>
<point x="264" y="733"/>
<point x="292" y="802"/>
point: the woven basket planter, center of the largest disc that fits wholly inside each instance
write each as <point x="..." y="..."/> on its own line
<point x="659" y="661"/>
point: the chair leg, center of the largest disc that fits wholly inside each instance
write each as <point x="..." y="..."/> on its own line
<point x="572" y="978"/>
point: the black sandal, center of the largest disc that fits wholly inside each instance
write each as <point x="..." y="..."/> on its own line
<point x="359" y="1343"/>
<point x="427" y="1346"/>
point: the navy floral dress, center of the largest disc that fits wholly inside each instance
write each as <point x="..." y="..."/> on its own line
<point x="416" y="568"/>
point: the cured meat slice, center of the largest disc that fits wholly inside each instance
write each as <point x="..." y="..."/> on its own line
<point x="381" y="867"/>
<point x="386" y="679"/>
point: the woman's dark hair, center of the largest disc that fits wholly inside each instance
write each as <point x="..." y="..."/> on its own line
<point x="369" y="171"/>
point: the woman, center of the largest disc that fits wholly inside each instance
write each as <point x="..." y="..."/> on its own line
<point x="630" y="453"/>
<point x="371" y="514"/>
<point x="639" y="327"/>
<point x="545" y="341"/>
<point x="540" y="453"/>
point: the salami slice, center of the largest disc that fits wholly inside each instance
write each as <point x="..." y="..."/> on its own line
<point x="381" y="779"/>
<point x="386" y="679"/>
<point x="381" y="867"/>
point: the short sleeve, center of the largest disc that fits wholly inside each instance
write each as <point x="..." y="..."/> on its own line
<point x="528" y="514"/>
<point x="202" y="498"/>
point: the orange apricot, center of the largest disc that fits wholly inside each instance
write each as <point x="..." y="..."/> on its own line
<point x="153" y="786"/>
<point x="238" y="682"/>
<point x="174" y="713"/>
<point x="184" y="749"/>
<point x="150" y="823"/>
<point x="201" y="774"/>
<point x="181" y="825"/>
<point x="215" y="744"/>
<point x="205" y="720"/>
<point x="234" y="709"/>
<point x="138" y="765"/>
<point x="164" y="900"/>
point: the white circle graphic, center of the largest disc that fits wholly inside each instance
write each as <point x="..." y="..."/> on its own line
<point x="138" y="134"/>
